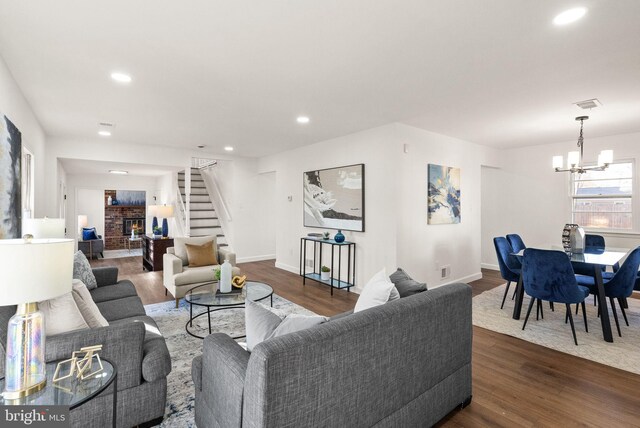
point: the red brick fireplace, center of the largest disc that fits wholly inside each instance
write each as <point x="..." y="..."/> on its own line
<point x="117" y="220"/>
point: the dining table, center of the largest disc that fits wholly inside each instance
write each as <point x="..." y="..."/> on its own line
<point x="598" y="259"/>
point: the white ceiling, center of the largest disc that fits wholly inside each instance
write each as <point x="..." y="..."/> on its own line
<point x="495" y="72"/>
<point x="81" y="166"/>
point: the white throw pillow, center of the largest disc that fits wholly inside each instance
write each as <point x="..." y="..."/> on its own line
<point x="61" y="315"/>
<point x="262" y="324"/>
<point x="87" y="306"/>
<point x="377" y="292"/>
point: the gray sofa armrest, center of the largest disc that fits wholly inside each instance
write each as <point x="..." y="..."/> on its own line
<point x="222" y="374"/>
<point x="224" y="253"/>
<point x="121" y="344"/>
<point x="107" y="275"/>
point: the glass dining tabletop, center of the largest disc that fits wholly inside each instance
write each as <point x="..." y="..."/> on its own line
<point x="600" y="257"/>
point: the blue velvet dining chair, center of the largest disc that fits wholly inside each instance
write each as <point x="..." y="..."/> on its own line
<point x="592" y="243"/>
<point x="517" y="244"/>
<point x="509" y="271"/>
<point x="617" y="286"/>
<point x="547" y="275"/>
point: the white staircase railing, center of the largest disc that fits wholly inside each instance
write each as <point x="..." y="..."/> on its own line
<point x="183" y="218"/>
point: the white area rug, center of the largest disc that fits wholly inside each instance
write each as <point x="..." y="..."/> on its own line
<point x="116" y="254"/>
<point x="183" y="347"/>
<point x="552" y="332"/>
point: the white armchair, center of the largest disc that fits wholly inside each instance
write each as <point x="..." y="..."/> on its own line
<point x="178" y="277"/>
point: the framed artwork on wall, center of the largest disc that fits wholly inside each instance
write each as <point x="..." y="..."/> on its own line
<point x="334" y="198"/>
<point x="10" y="180"/>
<point x="131" y="198"/>
<point x="443" y="194"/>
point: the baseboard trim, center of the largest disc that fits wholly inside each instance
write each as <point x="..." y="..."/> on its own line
<point x="466" y="279"/>
<point x="489" y="266"/>
<point x="256" y="258"/>
<point x="288" y="268"/>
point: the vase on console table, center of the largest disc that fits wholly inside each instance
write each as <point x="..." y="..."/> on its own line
<point x="339" y="238"/>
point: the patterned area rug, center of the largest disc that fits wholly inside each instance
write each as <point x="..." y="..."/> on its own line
<point x="117" y="254"/>
<point x="552" y="332"/>
<point x="183" y="347"/>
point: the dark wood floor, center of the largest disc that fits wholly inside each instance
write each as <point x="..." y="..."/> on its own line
<point x="515" y="383"/>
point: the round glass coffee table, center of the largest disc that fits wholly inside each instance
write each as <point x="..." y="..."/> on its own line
<point x="206" y="296"/>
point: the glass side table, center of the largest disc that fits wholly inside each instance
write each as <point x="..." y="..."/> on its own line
<point x="71" y="392"/>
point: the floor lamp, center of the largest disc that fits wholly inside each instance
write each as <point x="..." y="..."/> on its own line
<point x="32" y="270"/>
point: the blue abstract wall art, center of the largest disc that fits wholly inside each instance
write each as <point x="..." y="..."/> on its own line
<point x="443" y="195"/>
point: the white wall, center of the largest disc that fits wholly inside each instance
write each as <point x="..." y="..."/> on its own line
<point x="14" y="105"/>
<point x="424" y="249"/>
<point x="529" y="198"/>
<point x="249" y="198"/>
<point x="396" y="233"/>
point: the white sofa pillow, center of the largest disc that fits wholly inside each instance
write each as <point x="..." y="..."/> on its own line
<point x="376" y="292"/>
<point x="262" y="324"/>
<point x="87" y="306"/>
<point x="61" y="315"/>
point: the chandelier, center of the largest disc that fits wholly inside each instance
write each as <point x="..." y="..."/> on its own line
<point x="574" y="159"/>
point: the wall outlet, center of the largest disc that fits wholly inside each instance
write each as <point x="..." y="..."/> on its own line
<point x="445" y="271"/>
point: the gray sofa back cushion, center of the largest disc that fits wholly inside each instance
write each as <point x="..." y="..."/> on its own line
<point x="357" y="370"/>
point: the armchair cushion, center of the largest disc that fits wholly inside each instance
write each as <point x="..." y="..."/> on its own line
<point x="82" y="270"/>
<point x="226" y="254"/>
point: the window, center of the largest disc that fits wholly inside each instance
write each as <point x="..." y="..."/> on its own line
<point x="603" y="199"/>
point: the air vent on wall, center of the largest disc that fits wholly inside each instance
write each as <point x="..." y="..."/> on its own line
<point x="106" y="124"/>
<point x="589" y="104"/>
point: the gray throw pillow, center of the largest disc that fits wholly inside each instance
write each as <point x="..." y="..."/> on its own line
<point x="406" y="285"/>
<point x="261" y="324"/>
<point x="82" y="270"/>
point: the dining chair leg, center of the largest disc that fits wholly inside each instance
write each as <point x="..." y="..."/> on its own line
<point x="528" y="312"/>
<point x="505" y="294"/>
<point x="624" y="313"/>
<point x="615" y="314"/>
<point x="538" y="308"/>
<point x="595" y="300"/>
<point x="515" y="291"/>
<point x="577" y="307"/>
<point x="573" y="328"/>
<point x="551" y="306"/>
<point x="584" y="316"/>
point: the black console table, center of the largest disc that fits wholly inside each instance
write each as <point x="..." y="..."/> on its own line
<point x="318" y="244"/>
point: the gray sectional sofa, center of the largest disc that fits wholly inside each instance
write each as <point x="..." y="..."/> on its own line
<point x="403" y="364"/>
<point x="131" y="341"/>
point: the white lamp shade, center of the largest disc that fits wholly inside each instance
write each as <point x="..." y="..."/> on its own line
<point x="153" y="210"/>
<point x="557" y="161"/>
<point x="606" y="156"/>
<point x="83" y="221"/>
<point x="165" y="211"/>
<point x="572" y="159"/>
<point x="43" y="228"/>
<point x="35" y="271"/>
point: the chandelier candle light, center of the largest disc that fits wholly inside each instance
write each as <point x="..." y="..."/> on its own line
<point x="574" y="159"/>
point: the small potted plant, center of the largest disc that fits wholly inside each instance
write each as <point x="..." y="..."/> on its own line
<point x="325" y="273"/>
<point x="157" y="232"/>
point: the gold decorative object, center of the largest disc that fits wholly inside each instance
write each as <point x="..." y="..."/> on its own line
<point x="80" y="362"/>
<point x="238" y="281"/>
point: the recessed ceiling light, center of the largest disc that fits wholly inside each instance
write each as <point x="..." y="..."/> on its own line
<point x="229" y="148"/>
<point x="104" y="133"/>
<point x="201" y="146"/>
<point x="121" y="77"/>
<point x="302" y="119"/>
<point x="569" y="16"/>
<point x="118" y="171"/>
